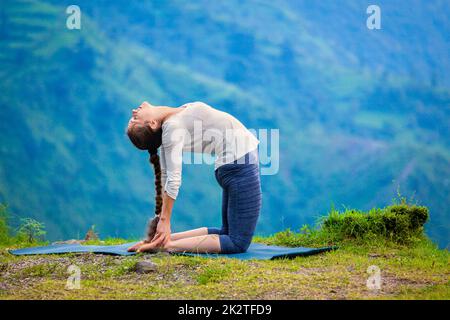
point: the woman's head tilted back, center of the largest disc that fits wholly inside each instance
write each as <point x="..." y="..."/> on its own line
<point x="144" y="128"/>
<point x="146" y="134"/>
<point x="143" y="137"/>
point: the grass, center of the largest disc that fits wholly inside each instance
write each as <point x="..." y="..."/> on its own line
<point x="418" y="272"/>
<point x="398" y="224"/>
<point x="213" y="273"/>
<point x="410" y="268"/>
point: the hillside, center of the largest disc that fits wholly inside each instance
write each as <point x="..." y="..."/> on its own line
<point x="361" y="114"/>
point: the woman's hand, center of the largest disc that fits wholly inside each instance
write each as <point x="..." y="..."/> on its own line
<point x="136" y="246"/>
<point x="161" y="238"/>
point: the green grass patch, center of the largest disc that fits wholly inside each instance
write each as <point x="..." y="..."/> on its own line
<point x="124" y="267"/>
<point x="213" y="273"/>
<point x="401" y="223"/>
<point x="398" y="224"/>
<point x="42" y="270"/>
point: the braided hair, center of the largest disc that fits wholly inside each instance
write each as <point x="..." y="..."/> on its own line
<point x="144" y="138"/>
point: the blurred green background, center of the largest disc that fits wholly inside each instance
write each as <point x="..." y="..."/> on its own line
<point x="362" y="113"/>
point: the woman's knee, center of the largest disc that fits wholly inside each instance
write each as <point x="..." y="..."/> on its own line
<point x="243" y="244"/>
<point x="233" y="245"/>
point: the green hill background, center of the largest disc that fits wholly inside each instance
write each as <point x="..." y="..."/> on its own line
<point x="362" y="113"/>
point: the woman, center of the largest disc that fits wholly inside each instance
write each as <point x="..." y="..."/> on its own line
<point x="199" y="128"/>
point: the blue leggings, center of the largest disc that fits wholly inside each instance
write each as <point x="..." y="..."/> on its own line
<point x="241" y="202"/>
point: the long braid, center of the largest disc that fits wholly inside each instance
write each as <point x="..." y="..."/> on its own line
<point x="154" y="160"/>
<point x="146" y="139"/>
<point x="153" y="223"/>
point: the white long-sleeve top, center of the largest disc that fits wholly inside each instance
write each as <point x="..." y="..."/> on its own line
<point x="200" y="128"/>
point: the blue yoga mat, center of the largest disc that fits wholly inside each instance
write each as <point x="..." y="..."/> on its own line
<point x="256" y="251"/>
<point x="261" y="251"/>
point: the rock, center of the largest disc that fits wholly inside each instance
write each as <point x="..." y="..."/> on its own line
<point x="145" y="266"/>
<point x="3" y="267"/>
